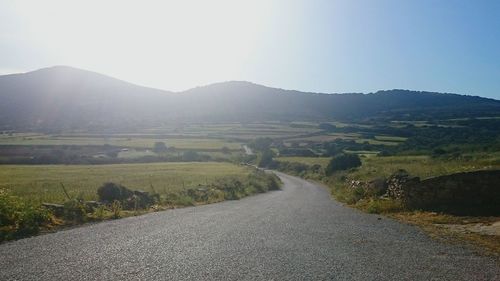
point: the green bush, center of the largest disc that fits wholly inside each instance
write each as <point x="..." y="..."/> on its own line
<point x="74" y="210"/>
<point x="110" y="192"/>
<point x="159" y="147"/>
<point x="176" y="199"/>
<point x="99" y="212"/>
<point x="19" y="218"/>
<point x="190" y="156"/>
<point x="265" y="159"/>
<point x="116" y="209"/>
<point x="343" y="162"/>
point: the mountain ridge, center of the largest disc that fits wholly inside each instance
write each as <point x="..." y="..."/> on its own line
<point x="66" y="97"/>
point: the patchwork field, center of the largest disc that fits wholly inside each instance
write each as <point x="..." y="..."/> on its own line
<point x="130" y="141"/>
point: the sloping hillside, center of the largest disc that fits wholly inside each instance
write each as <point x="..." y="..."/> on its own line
<point x="59" y="98"/>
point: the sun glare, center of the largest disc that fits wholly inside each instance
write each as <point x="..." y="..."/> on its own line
<point x="166" y="40"/>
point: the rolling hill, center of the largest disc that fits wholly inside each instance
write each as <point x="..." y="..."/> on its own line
<point x="61" y="97"/>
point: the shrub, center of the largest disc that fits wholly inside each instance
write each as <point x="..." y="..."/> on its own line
<point x="139" y="200"/>
<point x="110" y="192"/>
<point x="116" y="209"/>
<point x="74" y="210"/>
<point x="99" y="212"/>
<point x="343" y="162"/>
<point x="273" y="182"/>
<point x="261" y="144"/>
<point x="129" y="199"/>
<point x="19" y="218"/>
<point x="159" y="147"/>
<point x="265" y="158"/>
<point x="190" y="156"/>
<point x="233" y="188"/>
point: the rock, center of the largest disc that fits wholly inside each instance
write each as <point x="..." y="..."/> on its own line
<point x="376" y="187"/>
<point x="56" y="209"/>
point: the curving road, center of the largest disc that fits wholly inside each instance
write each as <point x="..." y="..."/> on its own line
<point x="298" y="233"/>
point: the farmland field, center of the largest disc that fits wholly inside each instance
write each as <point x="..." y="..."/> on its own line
<point x="323" y="161"/>
<point x="42" y="183"/>
<point x="424" y="166"/>
<point x="135" y="142"/>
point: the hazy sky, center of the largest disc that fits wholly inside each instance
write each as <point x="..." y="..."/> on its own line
<point x="321" y="46"/>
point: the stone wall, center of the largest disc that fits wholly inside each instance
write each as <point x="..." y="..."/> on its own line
<point x="469" y="193"/>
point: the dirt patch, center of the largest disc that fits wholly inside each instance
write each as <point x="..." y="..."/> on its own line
<point x="492" y="229"/>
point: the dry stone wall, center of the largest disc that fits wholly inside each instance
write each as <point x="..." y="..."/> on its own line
<point x="469" y="193"/>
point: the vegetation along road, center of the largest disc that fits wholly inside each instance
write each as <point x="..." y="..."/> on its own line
<point x="297" y="233"/>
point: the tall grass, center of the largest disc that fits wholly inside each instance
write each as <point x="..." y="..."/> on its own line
<point x="42" y="183"/>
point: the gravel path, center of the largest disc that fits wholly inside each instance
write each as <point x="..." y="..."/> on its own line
<point x="298" y="233"/>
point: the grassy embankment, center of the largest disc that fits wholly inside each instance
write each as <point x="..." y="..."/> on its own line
<point x="24" y="187"/>
<point x="439" y="225"/>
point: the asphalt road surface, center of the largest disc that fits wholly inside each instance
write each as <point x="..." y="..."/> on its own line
<point x="298" y="233"/>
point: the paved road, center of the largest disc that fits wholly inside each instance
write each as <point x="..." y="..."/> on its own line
<point x="294" y="234"/>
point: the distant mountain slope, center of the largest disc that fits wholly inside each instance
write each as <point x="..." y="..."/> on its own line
<point x="61" y="97"/>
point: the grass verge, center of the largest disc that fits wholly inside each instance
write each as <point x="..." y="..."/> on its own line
<point x="446" y="227"/>
<point x="22" y="216"/>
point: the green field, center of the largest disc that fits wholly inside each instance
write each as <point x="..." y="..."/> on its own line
<point x="137" y="142"/>
<point x="42" y="183"/>
<point x="323" y="161"/>
<point x="421" y="166"/>
<point x="424" y="166"/>
<point x="390" y="138"/>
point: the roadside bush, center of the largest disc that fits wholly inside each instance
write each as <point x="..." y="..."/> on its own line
<point x="343" y="162"/>
<point x="19" y="218"/>
<point x="261" y="182"/>
<point x="265" y="159"/>
<point x="116" y="209"/>
<point x="176" y="199"/>
<point x="99" y="212"/>
<point x="203" y="194"/>
<point x="110" y="192"/>
<point x="273" y="182"/>
<point x="74" y="210"/>
<point x="233" y="188"/>
<point x="129" y="199"/>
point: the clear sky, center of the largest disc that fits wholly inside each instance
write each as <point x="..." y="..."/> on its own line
<point x="320" y="46"/>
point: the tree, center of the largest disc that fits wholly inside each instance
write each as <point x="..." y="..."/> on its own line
<point x="225" y="150"/>
<point x="159" y="147"/>
<point x="261" y="144"/>
<point x="190" y="156"/>
<point x="266" y="158"/>
<point x="343" y="162"/>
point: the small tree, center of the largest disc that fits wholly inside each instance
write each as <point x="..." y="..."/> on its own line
<point x="343" y="162"/>
<point x="191" y="156"/>
<point x="265" y="158"/>
<point x="261" y="144"/>
<point x="159" y="147"/>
